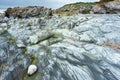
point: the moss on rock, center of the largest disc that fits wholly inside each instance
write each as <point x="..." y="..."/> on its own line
<point x="37" y="76"/>
<point x="34" y="59"/>
<point x="6" y="34"/>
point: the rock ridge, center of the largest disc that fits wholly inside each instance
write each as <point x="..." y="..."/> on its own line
<point x="30" y="11"/>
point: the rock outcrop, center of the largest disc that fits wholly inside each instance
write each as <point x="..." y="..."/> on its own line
<point x="30" y="11"/>
<point x="107" y="7"/>
<point x="78" y="47"/>
<point x="102" y="7"/>
<point x="75" y="8"/>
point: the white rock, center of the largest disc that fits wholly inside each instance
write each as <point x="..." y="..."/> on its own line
<point x="32" y="69"/>
<point x="4" y="25"/>
<point x="33" y="39"/>
<point x="21" y="45"/>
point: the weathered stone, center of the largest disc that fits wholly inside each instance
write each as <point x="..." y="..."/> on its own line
<point x="34" y="39"/>
<point x="107" y="7"/>
<point x="30" y="11"/>
<point x="12" y="61"/>
<point x="31" y="69"/>
<point x="86" y="50"/>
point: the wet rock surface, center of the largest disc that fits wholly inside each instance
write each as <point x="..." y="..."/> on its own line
<point x="78" y="47"/>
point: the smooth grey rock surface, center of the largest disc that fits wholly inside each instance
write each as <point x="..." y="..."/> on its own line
<point x="68" y="48"/>
<point x="12" y="61"/>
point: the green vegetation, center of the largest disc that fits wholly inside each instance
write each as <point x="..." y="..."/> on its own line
<point x="50" y="37"/>
<point x="11" y="39"/>
<point x="32" y="44"/>
<point x="106" y="0"/>
<point x="4" y="33"/>
<point x="81" y="4"/>
<point x="74" y="8"/>
<point x="77" y="5"/>
<point x="34" y="59"/>
<point x="37" y="76"/>
<point x="25" y="51"/>
<point x="65" y="15"/>
<point x="57" y="35"/>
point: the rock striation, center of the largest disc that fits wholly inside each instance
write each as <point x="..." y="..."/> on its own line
<point x="78" y="47"/>
<point x="12" y="61"/>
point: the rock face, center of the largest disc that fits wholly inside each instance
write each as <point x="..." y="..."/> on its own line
<point x="25" y="12"/>
<point x="114" y="6"/>
<point x="108" y="7"/>
<point x="79" y="47"/>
